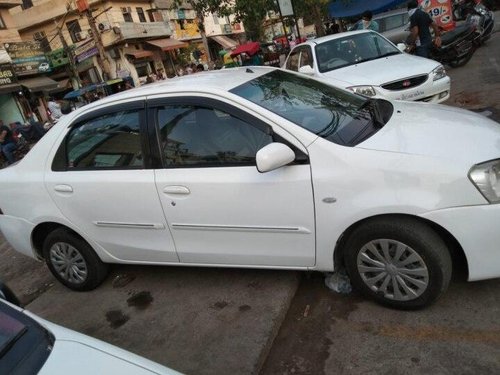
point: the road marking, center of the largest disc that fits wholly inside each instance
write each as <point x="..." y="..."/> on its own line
<point x="493" y="62"/>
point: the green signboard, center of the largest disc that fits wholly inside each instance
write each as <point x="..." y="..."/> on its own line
<point x="57" y="58"/>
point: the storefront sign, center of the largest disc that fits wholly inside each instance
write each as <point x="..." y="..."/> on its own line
<point x="86" y="50"/>
<point x="286" y="7"/>
<point x="27" y="57"/>
<point x="7" y="75"/>
<point x="89" y="53"/>
<point x="58" y="58"/>
<point x="440" y="11"/>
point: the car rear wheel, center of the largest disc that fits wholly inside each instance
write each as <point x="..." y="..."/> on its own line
<point x="73" y="261"/>
<point x="400" y="263"/>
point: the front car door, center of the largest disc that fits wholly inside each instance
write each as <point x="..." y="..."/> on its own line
<point x="220" y="209"/>
<point x="100" y="181"/>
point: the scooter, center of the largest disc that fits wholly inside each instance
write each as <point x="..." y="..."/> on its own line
<point x="484" y="21"/>
<point x="457" y="46"/>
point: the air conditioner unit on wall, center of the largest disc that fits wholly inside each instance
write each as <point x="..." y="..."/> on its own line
<point x="81" y="35"/>
<point x="103" y="26"/>
<point x="39" y="35"/>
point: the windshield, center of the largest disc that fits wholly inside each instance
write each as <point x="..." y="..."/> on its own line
<point x="24" y="344"/>
<point x="10" y="331"/>
<point x="331" y="113"/>
<point x="354" y="49"/>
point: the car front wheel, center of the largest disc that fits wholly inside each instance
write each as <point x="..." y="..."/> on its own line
<point x="400" y="263"/>
<point x="73" y="261"/>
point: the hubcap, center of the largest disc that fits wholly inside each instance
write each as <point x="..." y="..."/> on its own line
<point x="393" y="269"/>
<point x="68" y="262"/>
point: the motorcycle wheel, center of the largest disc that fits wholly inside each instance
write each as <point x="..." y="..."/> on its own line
<point x="462" y="60"/>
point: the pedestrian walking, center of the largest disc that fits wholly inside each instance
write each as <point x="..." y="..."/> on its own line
<point x="420" y="35"/>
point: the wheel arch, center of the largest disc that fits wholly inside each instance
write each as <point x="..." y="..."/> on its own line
<point x="42" y="230"/>
<point x="460" y="264"/>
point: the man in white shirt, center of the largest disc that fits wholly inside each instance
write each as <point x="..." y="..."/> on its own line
<point x="55" y="109"/>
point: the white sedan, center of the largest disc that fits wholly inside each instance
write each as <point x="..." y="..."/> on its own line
<point x="32" y="345"/>
<point x="262" y="168"/>
<point x="368" y="64"/>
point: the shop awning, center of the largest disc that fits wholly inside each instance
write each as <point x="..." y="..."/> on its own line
<point x="61" y="86"/>
<point x="225" y="42"/>
<point x="39" y="84"/>
<point x="139" y="54"/>
<point x="167" y="44"/>
<point x="6" y="89"/>
<point x="339" y="9"/>
<point x="250" y="49"/>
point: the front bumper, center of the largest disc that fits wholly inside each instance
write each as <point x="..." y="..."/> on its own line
<point x="476" y="229"/>
<point x="18" y="233"/>
<point x="430" y="91"/>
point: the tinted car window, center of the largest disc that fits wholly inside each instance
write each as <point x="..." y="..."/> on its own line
<point x="331" y="113"/>
<point x="394" y="22"/>
<point x="109" y="141"/>
<point x="306" y="57"/>
<point x="201" y="136"/>
<point x="293" y="61"/>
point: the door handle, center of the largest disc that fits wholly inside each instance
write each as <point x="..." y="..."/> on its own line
<point x="63" y="188"/>
<point x="176" y="189"/>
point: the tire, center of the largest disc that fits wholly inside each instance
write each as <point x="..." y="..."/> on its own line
<point x="462" y="61"/>
<point x="417" y="257"/>
<point x="86" y="271"/>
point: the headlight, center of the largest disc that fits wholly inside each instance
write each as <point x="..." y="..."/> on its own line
<point x="439" y="72"/>
<point x="363" y="90"/>
<point x="486" y="177"/>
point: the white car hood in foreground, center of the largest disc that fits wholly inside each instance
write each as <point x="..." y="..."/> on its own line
<point x="380" y="71"/>
<point x="74" y="353"/>
<point x="438" y="131"/>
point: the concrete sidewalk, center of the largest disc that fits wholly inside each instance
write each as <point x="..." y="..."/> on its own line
<point x="194" y="320"/>
<point x="197" y="321"/>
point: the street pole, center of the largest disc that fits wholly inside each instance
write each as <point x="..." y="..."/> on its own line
<point x="69" y="53"/>
<point x="295" y="19"/>
<point x="102" y="60"/>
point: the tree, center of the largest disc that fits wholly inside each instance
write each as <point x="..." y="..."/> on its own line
<point x="202" y="8"/>
<point x="253" y="13"/>
<point x="313" y="11"/>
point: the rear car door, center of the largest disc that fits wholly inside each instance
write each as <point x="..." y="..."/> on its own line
<point x="101" y="182"/>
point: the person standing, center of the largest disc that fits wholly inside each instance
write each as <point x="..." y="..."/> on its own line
<point x="366" y="22"/>
<point x="420" y="34"/>
<point x="7" y="143"/>
<point x="55" y="109"/>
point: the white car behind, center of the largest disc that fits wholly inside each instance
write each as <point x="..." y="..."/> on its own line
<point x="368" y="64"/>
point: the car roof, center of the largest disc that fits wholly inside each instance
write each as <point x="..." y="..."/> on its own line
<point x="327" y="38"/>
<point x="210" y="81"/>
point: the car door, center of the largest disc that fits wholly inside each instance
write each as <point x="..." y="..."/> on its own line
<point x="220" y="209"/>
<point x="101" y="182"/>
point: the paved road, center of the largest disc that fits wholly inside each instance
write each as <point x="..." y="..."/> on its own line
<point x="327" y="333"/>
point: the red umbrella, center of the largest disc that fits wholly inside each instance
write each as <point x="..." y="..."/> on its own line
<point x="249" y="48"/>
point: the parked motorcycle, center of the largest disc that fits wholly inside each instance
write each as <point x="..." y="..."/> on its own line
<point x="462" y="8"/>
<point x="484" y="21"/>
<point x="457" y="46"/>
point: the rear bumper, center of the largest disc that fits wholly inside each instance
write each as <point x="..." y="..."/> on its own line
<point x="18" y="233"/>
<point x="476" y="229"/>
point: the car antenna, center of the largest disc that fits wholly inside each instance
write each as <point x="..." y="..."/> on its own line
<point x="249" y="70"/>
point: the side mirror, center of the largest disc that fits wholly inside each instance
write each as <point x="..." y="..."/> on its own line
<point x="401" y="47"/>
<point x="274" y="156"/>
<point x="306" y="69"/>
<point x="8" y="295"/>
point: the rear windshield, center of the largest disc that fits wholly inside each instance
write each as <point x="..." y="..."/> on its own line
<point x="337" y="115"/>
